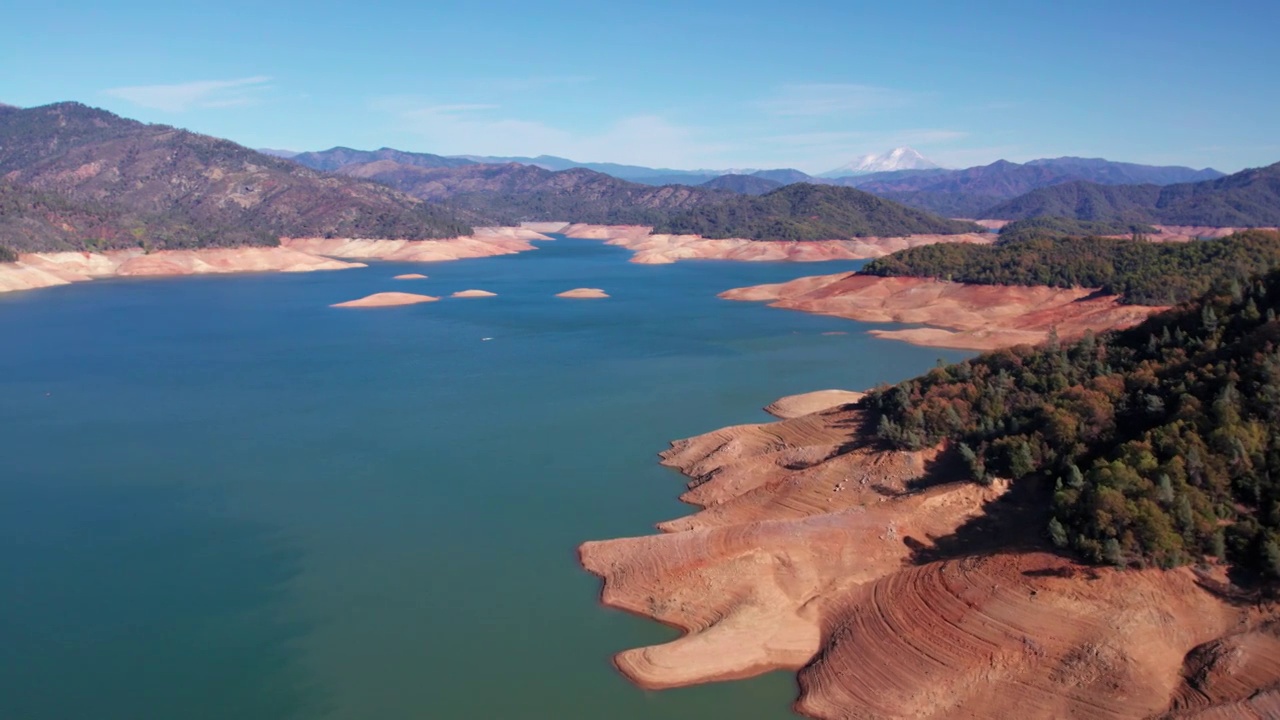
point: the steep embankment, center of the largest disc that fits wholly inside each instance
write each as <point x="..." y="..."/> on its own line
<point x="973" y="317"/>
<point x="812" y="551"/>
<point x="657" y="249"/>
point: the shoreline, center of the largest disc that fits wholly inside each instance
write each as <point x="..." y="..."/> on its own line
<point x="648" y="248"/>
<point x="48" y="269"/>
<point x="955" y="315"/>
<point x="39" y="270"/>
<point x="808" y="549"/>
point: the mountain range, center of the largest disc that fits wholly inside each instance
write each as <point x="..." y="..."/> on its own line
<point x="744" y="206"/>
<point x="127" y="184"/>
<point x="967" y="192"/>
<point x="76" y="177"/>
<point x="972" y="191"/>
<point x="1250" y="198"/>
<point x="511" y="192"/>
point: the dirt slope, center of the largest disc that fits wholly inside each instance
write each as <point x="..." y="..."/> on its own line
<point x="816" y="551"/>
<point x="972" y="317"/>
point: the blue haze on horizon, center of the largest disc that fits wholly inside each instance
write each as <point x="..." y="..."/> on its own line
<point x="676" y="84"/>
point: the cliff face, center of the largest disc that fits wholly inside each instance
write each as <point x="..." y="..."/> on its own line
<point x="816" y="551"/>
<point x="972" y="317"/>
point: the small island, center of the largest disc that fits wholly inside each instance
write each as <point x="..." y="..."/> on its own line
<point x="410" y="276"/>
<point x="583" y="294"/>
<point x="387" y="299"/>
<point x="474" y="294"/>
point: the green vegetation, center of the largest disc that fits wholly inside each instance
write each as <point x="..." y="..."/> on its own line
<point x="7" y="255"/>
<point x="1142" y="273"/>
<point x="1250" y="198"/>
<point x="1051" y="227"/>
<point x="1161" y="444"/>
<point x="804" y="211"/>
<point x="801" y="211"/>
<point x="743" y="184"/>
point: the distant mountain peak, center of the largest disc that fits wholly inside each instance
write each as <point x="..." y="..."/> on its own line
<point x="900" y="158"/>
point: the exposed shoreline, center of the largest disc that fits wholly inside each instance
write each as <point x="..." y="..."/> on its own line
<point x="37" y="270"/>
<point x="386" y="299"/>
<point x="46" y="269"/>
<point x="660" y="249"/>
<point x="957" y="315"/>
<point x="811" y="551"/>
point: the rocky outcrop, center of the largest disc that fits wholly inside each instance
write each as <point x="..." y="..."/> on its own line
<point x="36" y="270"/>
<point x="658" y="249"/>
<point x="386" y="299"/>
<point x="869" y="572"/>
<point x="583" y="294"/>
<point x="971" y="317"/>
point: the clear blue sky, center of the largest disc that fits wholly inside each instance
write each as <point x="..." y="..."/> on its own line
<point x="677" y="84"/>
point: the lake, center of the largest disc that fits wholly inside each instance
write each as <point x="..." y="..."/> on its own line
<point x="222" y="498"/>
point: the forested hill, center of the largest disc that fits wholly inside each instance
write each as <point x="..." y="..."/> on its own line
<point x="192" y="190"/>
<point x="803" y="211"/>
<point x="1143" y="273"/>
<point x="514" y="193"/>
<point x="510" y="193"/>
<point x="1250" y="198"/>
<point x="742" y="184"/>
<point x="35" y="220"/>
<point x="1158" y="445"/>
<point x="340" y="157"/>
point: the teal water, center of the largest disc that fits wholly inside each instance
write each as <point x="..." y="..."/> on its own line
<point x="221" y="498"/>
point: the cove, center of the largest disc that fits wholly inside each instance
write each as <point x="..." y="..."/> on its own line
<point x="221" y="497"/>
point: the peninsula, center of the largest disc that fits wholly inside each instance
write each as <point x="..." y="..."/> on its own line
<point x="982" y="297"/>
<point x="942" y="549"/>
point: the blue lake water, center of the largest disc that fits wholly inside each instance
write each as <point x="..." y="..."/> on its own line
<point x="221" y="498"/>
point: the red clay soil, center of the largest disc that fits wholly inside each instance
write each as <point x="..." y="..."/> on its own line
<point x="812" y="552"/>
<point x="971" y="317"/>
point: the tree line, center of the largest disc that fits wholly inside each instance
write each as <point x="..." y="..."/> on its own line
<point x="1158" y="445"/>
<point x="1141" y="273"/>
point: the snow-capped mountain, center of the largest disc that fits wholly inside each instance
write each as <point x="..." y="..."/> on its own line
<point x="903" y="158"/>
